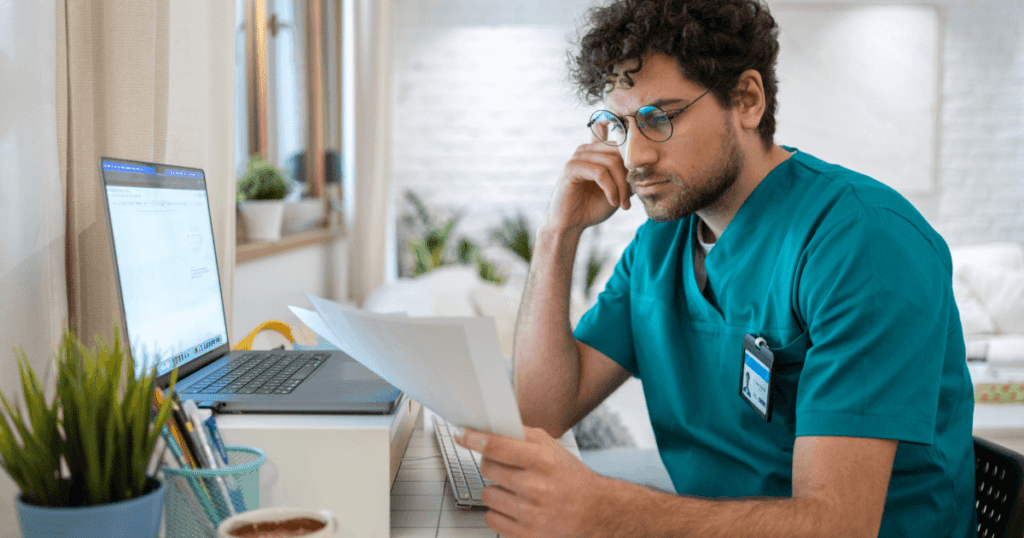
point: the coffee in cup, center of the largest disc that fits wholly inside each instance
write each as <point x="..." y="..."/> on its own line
<point x="279" y="522"/>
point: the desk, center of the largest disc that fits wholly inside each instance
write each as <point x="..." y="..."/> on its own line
<point x="342" y="463"/>
<point x="1002" y="424"/>
<point x="422" y="505"/>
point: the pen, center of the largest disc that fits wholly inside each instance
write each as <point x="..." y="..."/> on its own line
<point x="192" y="413"/>
<point x="221" y="450"/>
<point x="216" y="439"/>
<point x="178" y="456"/>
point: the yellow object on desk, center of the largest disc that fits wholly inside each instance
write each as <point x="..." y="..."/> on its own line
<point x="279" y="326"/>
<point x="999" y="393"/>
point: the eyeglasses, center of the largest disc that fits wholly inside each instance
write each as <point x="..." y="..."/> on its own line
<point x="654" y="123"/>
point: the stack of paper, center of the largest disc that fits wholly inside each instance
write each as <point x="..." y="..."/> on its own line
<point x="452" y="365"/>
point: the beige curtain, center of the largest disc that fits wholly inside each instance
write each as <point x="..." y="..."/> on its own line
<point x="145" y="80"/>
<point x="32" y="295"/>
<point x="368" y="141"/>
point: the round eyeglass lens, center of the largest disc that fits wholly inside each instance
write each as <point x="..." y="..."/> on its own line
<point x="654" y="123"/>
<point x="607" y="128"/>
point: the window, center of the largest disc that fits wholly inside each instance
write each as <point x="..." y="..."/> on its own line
<point x="288" y="91"/>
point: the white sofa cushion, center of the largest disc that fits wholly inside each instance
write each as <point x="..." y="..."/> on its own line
<point x="1001" y="291"/>
<point x="974" y="318"/>
<point x="1002" y="254"/>
<point x="988" y="284"/>
<point x="441" y="292"/>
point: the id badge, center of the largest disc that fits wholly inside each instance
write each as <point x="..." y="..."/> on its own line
<point x="756" y="376"/>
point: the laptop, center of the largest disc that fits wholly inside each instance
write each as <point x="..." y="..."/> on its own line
<point x="165" y="267"/>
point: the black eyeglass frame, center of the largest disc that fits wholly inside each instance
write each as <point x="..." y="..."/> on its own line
<point x="625" y="124"/>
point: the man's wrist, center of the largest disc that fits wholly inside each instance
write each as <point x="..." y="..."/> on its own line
<point x="553" y="237"/>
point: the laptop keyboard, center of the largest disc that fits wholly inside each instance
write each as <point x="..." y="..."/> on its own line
<point x="260" y="373"/>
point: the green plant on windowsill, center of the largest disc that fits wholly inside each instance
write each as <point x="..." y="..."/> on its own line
<point x="93" y="442"/>
<point x="262" y="181"/>
<point x="260" y="196"/>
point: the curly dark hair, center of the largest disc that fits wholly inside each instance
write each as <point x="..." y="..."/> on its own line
<point x="714" y="42"/>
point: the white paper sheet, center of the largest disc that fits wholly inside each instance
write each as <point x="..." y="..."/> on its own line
<point x="452" y="365"/>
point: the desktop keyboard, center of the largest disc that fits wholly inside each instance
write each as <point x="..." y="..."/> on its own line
<point x="463" y="466"/>
<point x="260" y="373"/>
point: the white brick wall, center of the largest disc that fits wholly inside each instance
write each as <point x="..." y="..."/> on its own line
<point x="483" y="119"/>
<point x="981" y="155"/>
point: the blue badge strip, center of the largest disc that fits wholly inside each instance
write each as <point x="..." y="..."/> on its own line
<point x="756" y="366"/>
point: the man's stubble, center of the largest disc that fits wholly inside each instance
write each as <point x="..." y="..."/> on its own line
<point x="704" y="187"/>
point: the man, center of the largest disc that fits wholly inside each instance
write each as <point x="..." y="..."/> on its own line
<point x="846" y="290"/>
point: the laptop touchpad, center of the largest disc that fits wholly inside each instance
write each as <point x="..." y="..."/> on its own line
<point x="357" y="372"/>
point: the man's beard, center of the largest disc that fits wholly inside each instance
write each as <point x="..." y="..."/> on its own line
<point x="706" y="185"/>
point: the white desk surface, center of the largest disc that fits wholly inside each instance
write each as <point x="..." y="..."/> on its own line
<point x="422" y="505"/>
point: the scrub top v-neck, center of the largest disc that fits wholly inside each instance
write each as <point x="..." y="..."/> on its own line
<point x="851" y="290"/>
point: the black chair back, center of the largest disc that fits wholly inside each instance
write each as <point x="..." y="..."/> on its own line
<point x="999" y="490"/>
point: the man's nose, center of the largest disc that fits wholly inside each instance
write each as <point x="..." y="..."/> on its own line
<point x="638" y="150"/>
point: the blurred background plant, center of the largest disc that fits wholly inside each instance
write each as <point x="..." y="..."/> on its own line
<point x="430" y="241"/>
<point x="515" y="235"/>
<point x="595" y="262"/>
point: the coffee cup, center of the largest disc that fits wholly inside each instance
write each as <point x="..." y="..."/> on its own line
<point x="279" y="522"/>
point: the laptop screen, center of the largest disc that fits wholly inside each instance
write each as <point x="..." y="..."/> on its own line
<point x="166" y="262"/>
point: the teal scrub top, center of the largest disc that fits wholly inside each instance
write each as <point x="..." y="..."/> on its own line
<point x="852" y="290"/>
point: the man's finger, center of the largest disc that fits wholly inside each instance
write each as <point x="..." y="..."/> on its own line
<point x="503" y="525"/>
<point x="499" y="473"/>
<point x="612" y="162"/>
<point x="503" y="501"/>
<point x="600" y="176"/>
<point x="503" y="450"/>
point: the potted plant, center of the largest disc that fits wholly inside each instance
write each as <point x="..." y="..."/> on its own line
<point x="80" y="460"/>
<point x="261" y="193"/>
<point x="302" y="211"/>
<point x="430" y="243"/>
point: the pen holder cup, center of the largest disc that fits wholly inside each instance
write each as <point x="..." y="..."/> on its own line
<point x="199" y="499"/>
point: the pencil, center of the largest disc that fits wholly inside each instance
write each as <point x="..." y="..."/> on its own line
<point x="176" y="433"/>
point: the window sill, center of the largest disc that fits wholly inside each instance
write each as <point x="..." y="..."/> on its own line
<point x="245" y="252"/>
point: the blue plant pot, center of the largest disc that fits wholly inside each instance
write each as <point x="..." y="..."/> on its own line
<point x="134" y="518"/>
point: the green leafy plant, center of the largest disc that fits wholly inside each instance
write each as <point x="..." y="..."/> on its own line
<point x="262" y="181"/>
<point x="430" y="242"/>
<point x="93" y="442"/>
<point x="595" y="262"/>
<point x="514" y="234"/>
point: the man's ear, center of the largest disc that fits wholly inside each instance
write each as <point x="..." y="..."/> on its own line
<point x="748" y="99"/>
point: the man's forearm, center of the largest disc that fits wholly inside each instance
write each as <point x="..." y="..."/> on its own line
<point x="631" y="510"/>
<point x="545" y="353"/>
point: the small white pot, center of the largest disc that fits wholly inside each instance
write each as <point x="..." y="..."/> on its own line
<point x="263" y="219"/>
<point x="303" y="215"/>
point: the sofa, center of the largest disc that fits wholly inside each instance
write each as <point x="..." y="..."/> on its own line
<point x="988" y="284"/>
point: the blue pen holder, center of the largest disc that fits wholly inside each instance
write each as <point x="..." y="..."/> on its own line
<point x="198" y="499"/>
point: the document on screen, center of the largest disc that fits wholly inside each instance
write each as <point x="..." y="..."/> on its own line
<point x="452" y="365"/>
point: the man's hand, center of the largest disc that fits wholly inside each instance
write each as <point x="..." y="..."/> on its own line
<point x="593" y="185"/>
<point x="541" y="489"/>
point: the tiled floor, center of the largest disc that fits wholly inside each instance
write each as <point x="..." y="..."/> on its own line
<point x="422" y="505"/>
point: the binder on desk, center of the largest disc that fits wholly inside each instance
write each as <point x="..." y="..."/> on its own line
<point x="452" y="365"/>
